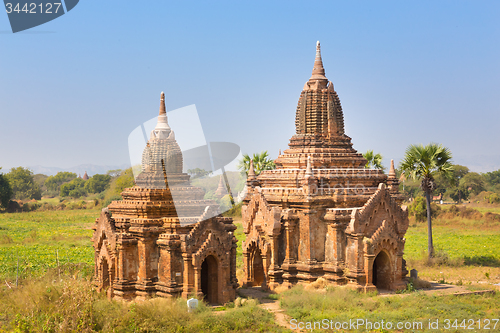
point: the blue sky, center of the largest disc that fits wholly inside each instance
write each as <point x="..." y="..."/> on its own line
<point x="73" y="89"/>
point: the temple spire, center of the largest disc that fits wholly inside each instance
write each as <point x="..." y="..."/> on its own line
<point x="392" y="171"/>
<point x="162" y="129"/>
<point x="318" y="72"/>
<point x="163" y="109"/>
<point x="251" y="171"/>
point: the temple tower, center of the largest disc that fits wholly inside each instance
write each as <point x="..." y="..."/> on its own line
<point x="320" y="213"/>
<point x="163" y="238"/>
<point x="221" y="189"/>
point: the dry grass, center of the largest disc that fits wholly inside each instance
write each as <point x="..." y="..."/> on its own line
<point x="320" y="283"/>
<point x="68" y="303"/>
<point x="459" y="274"/>
<point x="343" y="305"/>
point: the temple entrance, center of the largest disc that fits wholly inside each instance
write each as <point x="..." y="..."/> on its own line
<point x="105" y="274"/>
<point x="209" y="280"/>
<point x="382" y="271"/>
<point x="258" y="269"/>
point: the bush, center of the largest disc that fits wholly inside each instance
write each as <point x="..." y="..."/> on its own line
<point x="116" y="187"/>
<point x="462" y="212"/>
<point x="418" y="208"/>
<point x="493" y="198"/>
<point x="14" y="207"/>
<point x="492" y="217"/>
<point x="234" y="212"/>
<point x="111" y="199"/>
<point x="31" y="206"/>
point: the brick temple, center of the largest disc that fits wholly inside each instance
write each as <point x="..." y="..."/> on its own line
<point x="321" y="213"/>
<point x="163" y="238"/>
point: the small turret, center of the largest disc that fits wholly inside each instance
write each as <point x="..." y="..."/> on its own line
<point x="252" y="177"/>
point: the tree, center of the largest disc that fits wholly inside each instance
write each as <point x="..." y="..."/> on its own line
<point x="492" y="178"/>
<point x="458" y="193"/>
<point x="53" y="183"/>
<point x="451" y="185"/>
<point x="125" y="180"/>
<point x="23" y="185"/>
<point x="114" y="173"/>
<point x="40" y="180"/>
<point x="5" y="191"/>
<point x="373" y="160"/>
<point x="261" y="162"/>
<point x="97" y="183"/>
<point x="75" y="188"/>
<point x="423" y="163"/>
<point x="473" y="183"/>
<point x="198" y="173"/>
<point x="459" y="171"/>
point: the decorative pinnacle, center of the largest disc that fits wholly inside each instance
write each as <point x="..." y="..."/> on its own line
<point x="392" y="171"/>
<point x="163" y="109"/>
<point x="309" y="172"/>
<point x="251" y="171"/>
<point x="318" y="72"/>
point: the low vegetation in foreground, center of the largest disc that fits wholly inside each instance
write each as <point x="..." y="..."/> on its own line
<point x="340" y="305"/>
<point x="68" y="303"/>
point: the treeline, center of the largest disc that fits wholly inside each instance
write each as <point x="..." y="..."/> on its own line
<point x="20" y="185"/>
<point x="461" y="185"/>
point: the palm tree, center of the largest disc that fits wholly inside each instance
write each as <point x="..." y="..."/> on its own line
<point x="423" y="163"/>
<point x="261" y="161"/>
<point x="373" y="160"/>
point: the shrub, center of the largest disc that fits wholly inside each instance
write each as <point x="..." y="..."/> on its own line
<point x="418" y="208"/>
<point x="492" y="217"/>
<point x="109" y="200"/>
<point x="461" y="212"/>
<point x="234" y="212"/>
<point x="31" y="206"/>
<point x="493" y="198"/>
<point x="14" y="206"/>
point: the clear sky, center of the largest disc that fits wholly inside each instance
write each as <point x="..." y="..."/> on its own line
<point x="73" y="89"/>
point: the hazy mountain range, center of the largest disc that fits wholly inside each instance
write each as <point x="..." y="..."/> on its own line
<point x="79" y="169"/>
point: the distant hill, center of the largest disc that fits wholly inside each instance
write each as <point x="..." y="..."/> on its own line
<point x="79" y="169"/>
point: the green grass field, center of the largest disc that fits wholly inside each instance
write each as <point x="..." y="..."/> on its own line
<point x="459" y="241"/>
<point x="39" y="240"/>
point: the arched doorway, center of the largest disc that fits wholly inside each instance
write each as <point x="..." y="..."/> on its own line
<point x="105" y="274"/>
<point x="210" y="279"/>
<point x="258" y="269"/>
<point x="382" y="271"/>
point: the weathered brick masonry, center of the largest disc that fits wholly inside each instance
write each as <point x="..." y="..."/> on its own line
<point x="150" y="244"/>
<point x="320" y="213"/>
